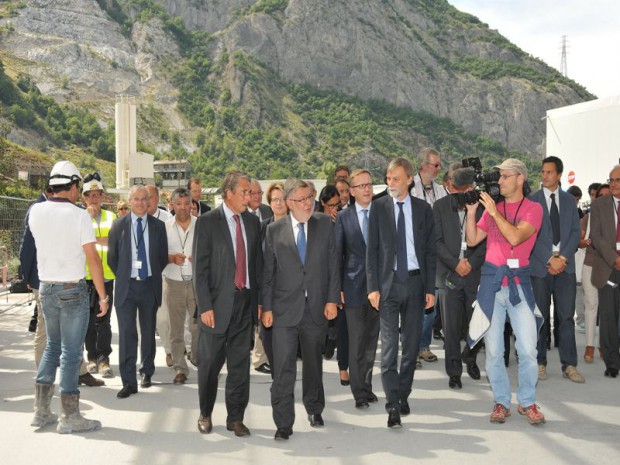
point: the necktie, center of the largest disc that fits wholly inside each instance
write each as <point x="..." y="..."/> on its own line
<point x="401" y="246"/>
<point x="240" y="259"/>
<point x="143" y="272"/>
<point x="301" y="242"/>
<point x="365" y="225"/>
<point x="618" y="227"/>
<point x="554" y="214"/>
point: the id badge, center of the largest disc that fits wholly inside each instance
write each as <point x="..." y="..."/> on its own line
<point x="136" y="264"/>
<point x="463" y="246"/>
<point x="513" y="263"/>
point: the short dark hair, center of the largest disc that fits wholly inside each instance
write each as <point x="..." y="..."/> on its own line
<point x="328" y="192"/>
<point x="600" y="188"/>
<point x="594" y="187"/>
<point x="179" y="192"/>
<point x="575" y="191"/>
<point x="193" y="181"/>
<point x="559" y="166"/>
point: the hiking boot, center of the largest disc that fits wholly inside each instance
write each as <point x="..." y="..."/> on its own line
<point x="42" y="399"/>
<point x="427" y="355"/>
<point x="499" y="414"/>
<point x="532" y="414"/>
<point x="92" y="366"/>
<point x="570" y="372"/>
<point x="104" y="368"/>
<point x="72" y="421"/>
<point x="542" y="372"/>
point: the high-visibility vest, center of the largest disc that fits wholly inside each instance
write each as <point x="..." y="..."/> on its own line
<point x="102" y="229"/>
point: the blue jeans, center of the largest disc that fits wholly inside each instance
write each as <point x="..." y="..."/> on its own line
<point x="427" y="329"/>
<point x="524" y="326"/>
<point x="66" y="312"/>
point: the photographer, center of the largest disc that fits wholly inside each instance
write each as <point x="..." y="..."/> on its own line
<point x="510" y="228"/>
<point x="458" y="273"/>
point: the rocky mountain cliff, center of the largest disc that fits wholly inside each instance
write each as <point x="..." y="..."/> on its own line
<point x="422" y="55"/>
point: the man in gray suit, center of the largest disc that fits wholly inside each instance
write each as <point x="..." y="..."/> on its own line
<point x="227" y="265"/>
<point x="553" y="266"/>
<point x="605" y="234"/>
<point x="301" y="289"/>
<point x="400" y="269"/>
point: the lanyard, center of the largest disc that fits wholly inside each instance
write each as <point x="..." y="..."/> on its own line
<point x="186" y="233"/>
<point x="514" y="220"/>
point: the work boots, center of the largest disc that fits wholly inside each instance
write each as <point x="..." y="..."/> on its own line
<point x="42" y="398"/>
<point x="72" y="421"/>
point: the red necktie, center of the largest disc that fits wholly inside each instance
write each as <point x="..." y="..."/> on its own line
<point x="240" y="260"/>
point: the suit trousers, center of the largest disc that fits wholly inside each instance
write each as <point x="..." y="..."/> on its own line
<point x="232" y="347"/>
<point x="609" y="303"/>
<point x="456" y="307"/>
<point x="405" y="302"/>
<point x="98" y="339"/>
<point x="140" y="301"/>
<point x="311" y="338"/>
<point x="363" y="326"/>
<point x="563" y="287"/>
<point x="180" y="301"/>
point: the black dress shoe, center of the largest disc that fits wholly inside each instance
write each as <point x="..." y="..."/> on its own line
<point x="361" y="404"/>
<point x="373" y="398"/>
<point x="611" y="373"/>
<point x="145" y="381"/>
<point x="238" y="428"/>
<point x="204" y="424"/>
<point x="264" y="368"/>
<point x="282" y="434"/>
<point x="127" y="390"/>
<point x="316" y="420"/>
<point x="455" y="382"/>
<point x="394" y="419"/>
<point x="472" y="370"/>
<point x="404" y="407"/>
<point x="89" y="380"/>
<point x="330" y="347"/>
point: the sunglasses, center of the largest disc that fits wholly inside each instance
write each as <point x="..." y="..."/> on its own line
<point x="123" y="209"/>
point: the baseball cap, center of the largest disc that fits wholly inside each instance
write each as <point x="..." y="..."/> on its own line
<point x="514" y="165"/>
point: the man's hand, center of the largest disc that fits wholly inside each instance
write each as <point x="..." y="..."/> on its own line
<point x="463" y="268"/>
<point x="330" y="311"/>
<point x="260" y="312"/>
<point x="267" y="318"/>
<point x="488" y="203"/>
<point x="429" y="301"/>
<point x="208" y="318"/>
<point x="103" y="307"/>
<point x="617" y="263"/>
<point x="374" y="298"/>
<point x="176" y="258"/>
<point x="556" y="266"/>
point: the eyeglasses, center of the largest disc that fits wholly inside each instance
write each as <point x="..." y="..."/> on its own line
<point x="309" y="198"/>
<point x="93" y="195"/>
<point x="613" y="180"/>
<point x="436" y="165"/>
<point x="277" y="199"/>
<point x="90" y="177"/>
<point x="256" y="192"/>
<point x="123" y="209"/>
<point x="506" y="176"/>
<point x="332" y="205"/>
<point x="362" y="186"/>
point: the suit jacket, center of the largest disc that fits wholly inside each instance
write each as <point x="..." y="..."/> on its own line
<point x="570" y="232"/>
<point x="352" y="257"/>
<point x="28" y="252"/>
<point x="120" y="257"/>
<point x="603" y="234"/>
<point x="265" y="211"/>
<point x="203" y="208"/>
<point x="214" y="266"/>
<point x="448" y="232"/>
<point x="381" y="250"/>
<point x="286" y="280"/>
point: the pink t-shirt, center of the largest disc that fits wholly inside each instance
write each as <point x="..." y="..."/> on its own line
<point x="498" y="248"/>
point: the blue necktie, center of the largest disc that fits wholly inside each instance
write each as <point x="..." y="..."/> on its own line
<point x="143" y="272"/>
<point x="301" y="242"/>
<point x="401" y="246"/>
<point x="365" y="225"/>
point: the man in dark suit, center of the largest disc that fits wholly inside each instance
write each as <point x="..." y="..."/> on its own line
<point x="458" y="275"/>
<point x="400" y="268"/>
<point x="301" y="290"/>
<point x="137" y="254"/>
<point x="362" y="319"/>
<point x="605" y="234"/>
<point x="255" y="205"/>
<point x="553" y="267"/>
<point x="194" y="185"/>
<point x="227" y="265"/>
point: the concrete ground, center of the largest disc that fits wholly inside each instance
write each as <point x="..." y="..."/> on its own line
<point x="158" y="425"/>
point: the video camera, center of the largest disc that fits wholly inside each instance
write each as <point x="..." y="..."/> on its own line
<point x="485" y="182"/>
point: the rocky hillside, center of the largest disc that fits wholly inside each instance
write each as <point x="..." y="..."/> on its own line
<point x="291" y="85"/>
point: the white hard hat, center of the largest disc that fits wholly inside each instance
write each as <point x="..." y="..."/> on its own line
<point x="92" y="182"/>
<point x="63" y="173"/>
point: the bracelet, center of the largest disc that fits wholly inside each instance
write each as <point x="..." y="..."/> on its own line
<point x="106" y="300"/>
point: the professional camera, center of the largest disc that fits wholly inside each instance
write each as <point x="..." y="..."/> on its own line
<point x="485" y="181"/>
<point x="468" y="198"/>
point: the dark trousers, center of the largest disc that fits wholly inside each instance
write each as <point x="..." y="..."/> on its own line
<point x="405" y="302"/>
<point x="456" y="306"/>
<point x="563" y="287"/>
<point x="140" y="301"/>
<point x="311" y="338"/>
<point x="342" y="341"/>
<point x="98" y="339"/>
<point x="232" y="346"/>
<point x="609" y="303"/>
<point x="266" y="335"/>
<point x="363" y="326"/>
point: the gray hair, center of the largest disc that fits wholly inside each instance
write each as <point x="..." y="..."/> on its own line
<point x="153" y="188"/>
<point x="231" y="181"/>
<point x="138" y="187"/>
<point x="400" y="161"/>
<point x="178" y="193"/>
<point x="425" y="154"/>
<point x="293" y="184"/>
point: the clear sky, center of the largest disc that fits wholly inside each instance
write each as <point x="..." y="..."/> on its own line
<point x="592" y="28"/>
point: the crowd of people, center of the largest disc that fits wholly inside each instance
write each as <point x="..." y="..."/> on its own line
<point x="306" y="276"/>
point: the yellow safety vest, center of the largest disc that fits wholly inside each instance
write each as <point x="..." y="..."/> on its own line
<point x="102" y="229"/>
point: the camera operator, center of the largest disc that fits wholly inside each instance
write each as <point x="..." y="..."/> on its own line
<point x="458" y="273"/>
<point x="505" y="289"/>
